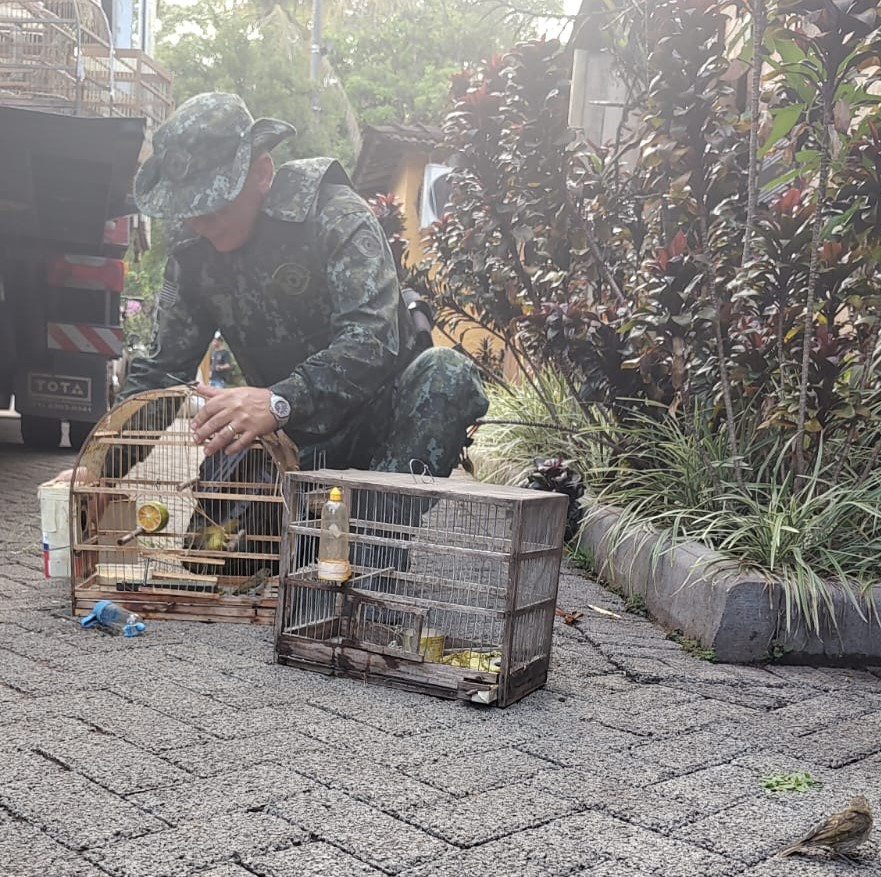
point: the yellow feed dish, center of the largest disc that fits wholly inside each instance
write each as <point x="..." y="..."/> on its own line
<point x="152" y="516"/>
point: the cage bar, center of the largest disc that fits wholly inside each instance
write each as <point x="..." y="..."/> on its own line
<point x="453" y="588"/>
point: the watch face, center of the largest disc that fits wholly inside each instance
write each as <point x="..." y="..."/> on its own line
<point x="281" y="407"/>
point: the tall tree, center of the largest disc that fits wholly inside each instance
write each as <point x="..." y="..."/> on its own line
<point x="396" y="58"/>
<point x="261" y="52"/>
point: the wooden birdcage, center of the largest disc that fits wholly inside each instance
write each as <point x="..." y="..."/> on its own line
<point x="453" y="586"/>
<point x="168" y="532"/>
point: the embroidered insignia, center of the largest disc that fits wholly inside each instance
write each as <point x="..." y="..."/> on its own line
<point x="291" y="278"/>
<point x="367" y="244"/>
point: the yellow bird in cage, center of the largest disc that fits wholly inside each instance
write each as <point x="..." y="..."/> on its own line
<point x="216" y="537"/>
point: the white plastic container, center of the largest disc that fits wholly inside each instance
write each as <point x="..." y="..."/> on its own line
<point x="54" y="499"/>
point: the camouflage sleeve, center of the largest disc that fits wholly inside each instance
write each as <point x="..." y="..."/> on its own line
<point x="180" y="340"/>
<point x="362" y="286"/>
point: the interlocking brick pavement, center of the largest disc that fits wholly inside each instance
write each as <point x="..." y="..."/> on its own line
<point x="188" y="752"/>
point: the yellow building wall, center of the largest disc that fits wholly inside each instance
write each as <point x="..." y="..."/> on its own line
<point x="406" y="189"/>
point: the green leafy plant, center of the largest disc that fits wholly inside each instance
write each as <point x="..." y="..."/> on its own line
<point x="790" y="782"/>
<point x="720" y="341"/>
<point x="581" y="559"/>
<point x="691" y="647"/>
<point x="635" y="605"/>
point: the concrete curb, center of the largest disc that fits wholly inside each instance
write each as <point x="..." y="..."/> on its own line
<point x="706" y="596"/>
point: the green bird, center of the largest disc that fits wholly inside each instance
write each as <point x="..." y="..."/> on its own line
<point x="839" y="833"/>
<point x="214" y="537"/>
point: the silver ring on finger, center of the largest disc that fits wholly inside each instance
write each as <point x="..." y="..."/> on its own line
<point x="232" y="430"/>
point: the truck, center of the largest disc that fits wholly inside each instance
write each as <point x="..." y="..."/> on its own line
<point x="79" y="97"/>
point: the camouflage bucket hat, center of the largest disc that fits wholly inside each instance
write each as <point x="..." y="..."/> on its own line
<point x="201" y="156"/>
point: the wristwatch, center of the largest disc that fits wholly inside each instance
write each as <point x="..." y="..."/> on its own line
<point x="280" y="408"/>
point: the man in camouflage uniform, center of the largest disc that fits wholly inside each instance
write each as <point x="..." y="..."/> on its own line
<point x="293" y="268"/>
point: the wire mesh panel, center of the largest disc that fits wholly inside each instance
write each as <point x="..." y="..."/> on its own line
<point x="453" y="586"/>
<point x="169" y="532"/>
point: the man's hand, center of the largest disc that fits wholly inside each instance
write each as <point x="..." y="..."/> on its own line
<point x="232" y="417"/>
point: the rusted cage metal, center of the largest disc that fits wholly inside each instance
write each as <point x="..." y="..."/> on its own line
<point x="58" y="56"/>
<point x="453" y="588"/>
<point x="168" y="532"/>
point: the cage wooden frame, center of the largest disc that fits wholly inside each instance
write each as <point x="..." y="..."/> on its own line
<point x="93" y="553"/>
<point x="480" y="597"/>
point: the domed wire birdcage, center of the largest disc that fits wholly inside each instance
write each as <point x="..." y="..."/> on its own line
<point x="168" y="531"/>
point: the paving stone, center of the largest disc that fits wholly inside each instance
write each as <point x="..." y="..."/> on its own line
<point x="397" y="712"/>
<point x="580" y="745"/>
<point x="821" y="711"/>
<point x="553" y="850"/>
<point x="31" y="676"/>
<point x="757" y="828"/>
<point x="678" y="715"/>
<point x="315" y="858"/>
<point x="271" y="684"/>
<point x="220" y="756"/>
<point x="867" y="859"/>
<point x="25" y="851"/>
<point x="193" y="847"/>
<point x="613" y="868"/>
<point x="714" y="787"/>
<point x="383" y="787"/>
<point x="30" y="732"/>
<point x="226" y="870"/>
<point x="470" y="774"/>
<point x="693" y="749"/>
<point x="840" y="743"/>
<point x="49" y="647"/>
<point x="113" y="763"/>
<point x="493" y="814"/>
<point x="236" y="724"/>
<point x="251" y="788"/>
<point x="757" y="697"/>
<point x="588" y="788"/>
<point x="365" y="833"/>
<point x="109" y="713"/>
<point x="365" y="741"/>
<point x="73" y="810"/>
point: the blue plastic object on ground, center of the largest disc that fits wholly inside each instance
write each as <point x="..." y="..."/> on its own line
<point x="115" y="618"/>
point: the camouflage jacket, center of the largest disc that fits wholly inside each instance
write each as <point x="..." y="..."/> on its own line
<point x="310" y="306"/>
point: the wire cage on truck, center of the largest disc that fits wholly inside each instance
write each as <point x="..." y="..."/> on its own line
<point x="453" y="586"/>
<point x="165" y="530"/>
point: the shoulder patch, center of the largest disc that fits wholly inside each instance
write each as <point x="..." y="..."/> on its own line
<point x="367" y="244"/>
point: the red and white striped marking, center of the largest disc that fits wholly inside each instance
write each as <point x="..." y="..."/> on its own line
<point x="87" y="272"/>
<point x="84" y="338"/>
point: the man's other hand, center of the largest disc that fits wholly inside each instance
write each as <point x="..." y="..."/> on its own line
<point x="232" y="417"/>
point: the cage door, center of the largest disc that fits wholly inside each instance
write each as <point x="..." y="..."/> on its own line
<point x="385" y="624"/>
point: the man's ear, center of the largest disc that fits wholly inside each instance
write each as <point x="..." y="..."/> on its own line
<point x="263" y="170"/>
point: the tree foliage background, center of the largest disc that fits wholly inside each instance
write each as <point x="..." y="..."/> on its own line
<point x="384" y="61"/>
<point x="396" y="63"/>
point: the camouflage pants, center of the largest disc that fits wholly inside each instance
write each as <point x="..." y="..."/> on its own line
<point x="423" y="416"/>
